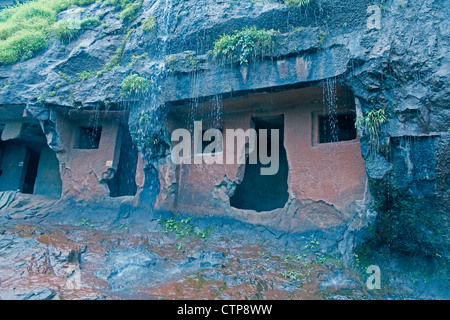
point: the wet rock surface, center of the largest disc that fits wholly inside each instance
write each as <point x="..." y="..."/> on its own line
<point x="234" y="261"/>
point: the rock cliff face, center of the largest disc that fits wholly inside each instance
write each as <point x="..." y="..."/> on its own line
<point x="393" y="55"/>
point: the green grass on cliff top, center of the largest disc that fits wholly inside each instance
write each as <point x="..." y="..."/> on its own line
<point x="24" y="28"/>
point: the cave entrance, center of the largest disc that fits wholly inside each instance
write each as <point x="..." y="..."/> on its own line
<point x="30" y="170"/>
<point x="124" y="181"/>
<point x="264" y="192"/>
<point x="27" y="164"/>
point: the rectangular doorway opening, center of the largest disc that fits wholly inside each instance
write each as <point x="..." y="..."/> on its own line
<point x="264" y="192"/>
<point x="124" y="181"/>
<point x="30" y="170"/>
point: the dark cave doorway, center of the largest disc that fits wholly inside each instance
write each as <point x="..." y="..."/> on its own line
<point x="124" y="181"/>
<point x="264" y="192"/>
<point x="30" y="171"/>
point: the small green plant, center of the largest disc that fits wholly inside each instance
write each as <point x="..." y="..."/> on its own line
<point x="135" y="84"/>
<point x="143" y="137"/>
<point x="356" y="262"/>
<point x="148" y="24"/>
<point x="321" y="37"/>
<point x="300" y="256"/>
<point x="64" y="76"/>
<point x="321" y="260"/>
<point x="144" y="119"/>
<point x="135" y="58"/>
<point x="290" y="274"/>
<point x="295" y="30"/>
<point x="193" y="63"/>
<point x="205" y="233"/>
<point x="183" y="228"/>
<point x="312" y="243"/>
<point x="186" y="62"/>
<point x="84" y="75"/>
<point x="371" y="123"/>
<point x="171" y="60"/>
<point x="115" y="59"/>
<point x="123" y="226"/>
<point x="6" y="86"/>
<point x="245" y="44"/>
<point x="85" y="223"/>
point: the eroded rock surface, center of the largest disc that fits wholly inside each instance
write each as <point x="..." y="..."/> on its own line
<point x="392" y="56"/>
<point x="234" y="261"/>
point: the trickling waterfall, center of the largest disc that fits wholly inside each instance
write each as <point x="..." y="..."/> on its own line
<point x="216" y="111"/>
<point x="330" y="105"/>
<point x="194" y="101"/>
<point x="166" y="25"/>
<point x="94" y="117"/>
<point x="331" y="126"/>
<point x="153" y="100"/>
<point x="93" y="124"/>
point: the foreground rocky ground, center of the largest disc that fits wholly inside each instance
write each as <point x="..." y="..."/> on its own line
<point x="181" y="258"/>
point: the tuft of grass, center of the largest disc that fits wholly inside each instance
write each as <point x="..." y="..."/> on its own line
<point x="24" y="28"/>
<point x="171" y="60"/>
<point x="85" y="223"/>
<point x="84" y="75"/>
<point x="90" y="22"/>
<point x="68" y="29"/>
<point x="109" y="3"/>
<point x="21" y="46"/>
<point x="321" y="38"/>
<point x="245" y="44"/>
<point x="149" y="24"/>
<point x="130" y="10"/>
<point x="136" y="58"/>
<point x="134" y="84"/>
